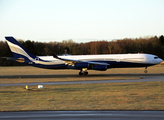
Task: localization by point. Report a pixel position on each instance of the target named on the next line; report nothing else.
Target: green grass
(111, 96)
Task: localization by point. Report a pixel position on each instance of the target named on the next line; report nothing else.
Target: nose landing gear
(146, 70)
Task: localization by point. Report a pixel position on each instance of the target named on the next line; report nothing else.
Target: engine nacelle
(81, 65)
(100, 67)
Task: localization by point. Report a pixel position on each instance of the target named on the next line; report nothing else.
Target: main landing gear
(146, 70)
(83, 71)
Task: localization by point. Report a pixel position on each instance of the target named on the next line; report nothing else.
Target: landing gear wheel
(85, 73)
(145, 71)
(80, 73)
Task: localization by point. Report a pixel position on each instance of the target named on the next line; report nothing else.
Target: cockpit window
(155, 57)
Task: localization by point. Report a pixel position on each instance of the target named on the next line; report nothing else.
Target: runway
(74, 75)
(145, 78)
(81, 115)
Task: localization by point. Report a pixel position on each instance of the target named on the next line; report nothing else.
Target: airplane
(80, 62)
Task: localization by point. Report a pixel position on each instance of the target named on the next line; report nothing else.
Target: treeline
(151, 45)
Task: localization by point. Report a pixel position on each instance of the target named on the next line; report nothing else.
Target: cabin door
(118, 58)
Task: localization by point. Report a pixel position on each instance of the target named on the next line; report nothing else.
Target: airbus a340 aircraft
(80, 62)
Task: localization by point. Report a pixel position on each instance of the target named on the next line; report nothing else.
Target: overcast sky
(81, 20)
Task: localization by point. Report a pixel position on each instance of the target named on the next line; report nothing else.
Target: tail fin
(18, 50)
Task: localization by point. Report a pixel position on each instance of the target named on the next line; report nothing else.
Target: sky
(80, 20)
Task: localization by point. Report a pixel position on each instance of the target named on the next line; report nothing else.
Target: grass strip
(108, 96)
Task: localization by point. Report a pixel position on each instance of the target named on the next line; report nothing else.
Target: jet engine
(100, 67)
(81, 65)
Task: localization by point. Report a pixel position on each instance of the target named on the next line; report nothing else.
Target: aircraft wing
(72, 61)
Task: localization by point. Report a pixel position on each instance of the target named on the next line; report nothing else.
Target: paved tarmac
(83, 115)
(145, 78)
(74, 75)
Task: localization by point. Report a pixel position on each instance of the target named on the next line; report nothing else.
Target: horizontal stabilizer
(21, 60)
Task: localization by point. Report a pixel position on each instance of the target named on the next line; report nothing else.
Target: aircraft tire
(145, 71)
(80, 73)
(85, 73)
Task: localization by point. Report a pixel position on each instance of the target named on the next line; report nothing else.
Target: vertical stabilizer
(18, 50)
